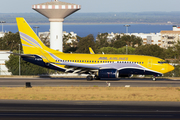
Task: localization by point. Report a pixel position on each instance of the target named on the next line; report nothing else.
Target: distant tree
(85, 43)
(10, 41)
(151, 50)
(171, 53)
(176, 50)
(127, 39)
(136, 41)
(69, 47)
(26, 68)
(101, 40)
(118, 42)
(108, 50)
(130, 50)
(45, 39)
(111, 50)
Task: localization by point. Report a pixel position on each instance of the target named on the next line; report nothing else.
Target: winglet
(91, 50)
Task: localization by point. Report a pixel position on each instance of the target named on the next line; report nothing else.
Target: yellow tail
(30, 41)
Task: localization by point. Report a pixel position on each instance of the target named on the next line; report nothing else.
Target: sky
(96, 6)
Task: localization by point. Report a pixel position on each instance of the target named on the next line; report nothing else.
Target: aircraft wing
(82, 68)
(78, 65)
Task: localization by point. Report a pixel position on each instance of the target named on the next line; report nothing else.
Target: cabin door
(149, 63)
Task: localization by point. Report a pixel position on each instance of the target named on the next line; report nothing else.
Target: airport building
(4, 57)
(164, 39)
(2, 34)
(170, 38)
(149, 38)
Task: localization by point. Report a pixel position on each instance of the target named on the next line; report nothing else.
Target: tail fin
(30, 41)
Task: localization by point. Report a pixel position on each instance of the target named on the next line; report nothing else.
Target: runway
(55, 82)
(80, 110)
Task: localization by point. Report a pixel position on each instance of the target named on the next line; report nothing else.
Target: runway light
(127, 86)
(108, 84)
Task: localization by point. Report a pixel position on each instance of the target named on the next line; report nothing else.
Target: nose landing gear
(154, 78)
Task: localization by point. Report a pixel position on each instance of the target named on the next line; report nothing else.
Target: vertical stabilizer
(30, 41)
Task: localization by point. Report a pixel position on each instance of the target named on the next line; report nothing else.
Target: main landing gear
(90, 78)
(96, 77)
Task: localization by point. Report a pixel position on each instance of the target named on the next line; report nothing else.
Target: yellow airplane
(95, 65)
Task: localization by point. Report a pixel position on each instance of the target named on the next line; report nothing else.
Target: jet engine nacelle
(108, 73)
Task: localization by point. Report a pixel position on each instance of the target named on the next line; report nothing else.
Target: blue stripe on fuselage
(39, 61)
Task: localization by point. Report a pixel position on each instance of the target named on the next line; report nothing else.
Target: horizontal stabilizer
(22, 55)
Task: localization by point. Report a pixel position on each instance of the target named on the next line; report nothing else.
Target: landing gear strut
(97, 78)
(154, 78)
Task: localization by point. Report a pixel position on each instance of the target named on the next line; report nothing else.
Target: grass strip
(92, 93)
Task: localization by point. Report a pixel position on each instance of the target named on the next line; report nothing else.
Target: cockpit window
(162, 62)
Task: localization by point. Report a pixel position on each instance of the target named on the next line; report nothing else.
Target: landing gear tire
(154, 78)
(89, 78)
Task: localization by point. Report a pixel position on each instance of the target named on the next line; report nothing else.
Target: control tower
(56, 11)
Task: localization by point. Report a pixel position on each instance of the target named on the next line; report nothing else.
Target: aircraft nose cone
(170, 68)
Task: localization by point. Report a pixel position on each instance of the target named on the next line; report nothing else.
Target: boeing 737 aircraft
(97, 65)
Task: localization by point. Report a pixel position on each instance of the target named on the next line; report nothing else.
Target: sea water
(94, 29)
